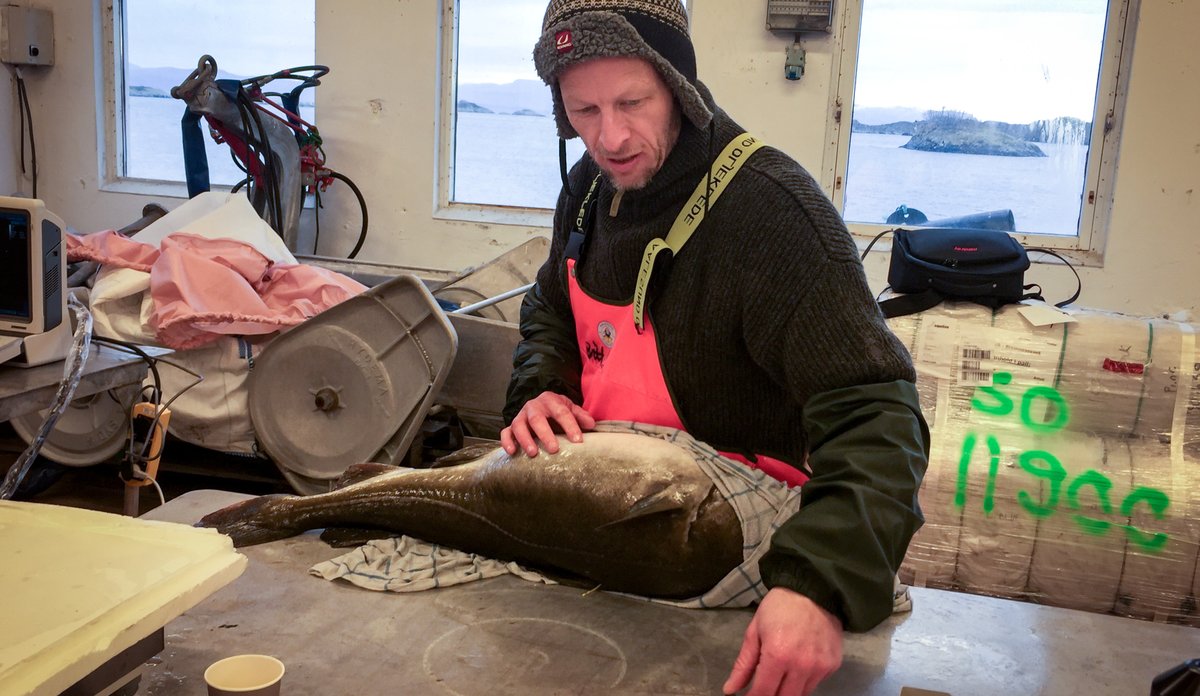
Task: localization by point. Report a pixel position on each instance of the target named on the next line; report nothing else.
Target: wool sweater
(770, 342)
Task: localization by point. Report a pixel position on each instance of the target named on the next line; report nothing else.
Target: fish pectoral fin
(464, 455)
(345, 537)
(658, 502)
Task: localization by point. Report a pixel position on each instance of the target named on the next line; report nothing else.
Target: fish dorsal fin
(357, 473)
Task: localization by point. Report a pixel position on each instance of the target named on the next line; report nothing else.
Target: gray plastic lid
(352, 384)
(91, 430)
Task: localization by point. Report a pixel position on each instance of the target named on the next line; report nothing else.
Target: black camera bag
(931, 264)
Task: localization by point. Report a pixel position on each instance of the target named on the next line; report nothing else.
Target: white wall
(9, 141)
(378, 112)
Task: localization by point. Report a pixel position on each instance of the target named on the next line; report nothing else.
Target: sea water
(509, 160)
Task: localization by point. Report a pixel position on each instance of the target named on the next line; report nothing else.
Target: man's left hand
(790, 646)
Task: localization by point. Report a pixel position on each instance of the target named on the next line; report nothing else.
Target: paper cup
(244, 675)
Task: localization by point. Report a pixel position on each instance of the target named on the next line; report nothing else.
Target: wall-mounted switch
(26, 36)
(793, 66)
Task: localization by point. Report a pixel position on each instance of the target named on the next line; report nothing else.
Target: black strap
(584, 222)
(910, 304)
(877, 238)
(1078, 281)
(1033, 294)
(562, 166)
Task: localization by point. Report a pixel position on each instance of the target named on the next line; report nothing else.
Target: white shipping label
(1030, 357)
(936, 347)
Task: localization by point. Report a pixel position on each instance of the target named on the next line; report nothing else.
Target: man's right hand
(538, 421)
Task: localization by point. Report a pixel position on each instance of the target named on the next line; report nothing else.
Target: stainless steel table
(507, 636)
(25, 390)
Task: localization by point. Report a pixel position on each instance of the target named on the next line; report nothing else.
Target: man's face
(625, 114)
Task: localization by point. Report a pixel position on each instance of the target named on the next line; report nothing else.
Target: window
(503, 141)
(997, 113)
(161, 42)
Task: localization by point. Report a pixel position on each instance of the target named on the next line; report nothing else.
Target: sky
(245, 37)
(1005, 60)
(1008, 60)
(495, 39)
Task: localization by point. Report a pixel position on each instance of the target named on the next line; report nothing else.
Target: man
(759, 337)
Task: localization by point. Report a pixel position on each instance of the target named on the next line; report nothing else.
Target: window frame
(1088, 246)
(110, 124)
(443, 207)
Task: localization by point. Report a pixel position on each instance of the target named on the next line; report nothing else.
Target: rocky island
(472, 107)
(945, 131)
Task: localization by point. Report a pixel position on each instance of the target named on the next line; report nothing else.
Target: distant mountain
(521, 96)
(138, 80)
(141, 91)
(165, 78)
(526, 112)
(878, 115)
(472, 107)
(897, 128)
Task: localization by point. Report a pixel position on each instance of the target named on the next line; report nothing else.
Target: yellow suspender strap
(720, 173)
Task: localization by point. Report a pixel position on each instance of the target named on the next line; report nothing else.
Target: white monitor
(34, 326)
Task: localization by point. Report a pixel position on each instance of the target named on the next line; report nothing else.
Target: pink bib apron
(622, 376)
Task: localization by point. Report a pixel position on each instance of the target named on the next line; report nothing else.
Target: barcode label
(971, 369)
(975, 377)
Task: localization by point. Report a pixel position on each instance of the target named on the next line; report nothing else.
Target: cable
(26, 117)
(72, 372)
(316, 218)
(362, 204)
(150, 361)
(137, 459)
(162, 500)
(263, 144)
(269, 173)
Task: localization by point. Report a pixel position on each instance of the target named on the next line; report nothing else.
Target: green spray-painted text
(1043, 410)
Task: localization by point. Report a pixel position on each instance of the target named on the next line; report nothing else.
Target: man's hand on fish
(790, 646)
(538, 421)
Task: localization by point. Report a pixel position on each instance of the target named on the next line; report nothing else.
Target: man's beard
(672, 138)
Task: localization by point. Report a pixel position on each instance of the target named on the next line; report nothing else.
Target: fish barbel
(626, 512)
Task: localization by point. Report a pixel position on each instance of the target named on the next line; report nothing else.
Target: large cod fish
(626, 512)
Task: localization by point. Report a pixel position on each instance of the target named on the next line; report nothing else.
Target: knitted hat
(656, 30)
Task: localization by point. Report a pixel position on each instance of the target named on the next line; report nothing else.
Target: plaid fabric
(761, 503)
(405, 564)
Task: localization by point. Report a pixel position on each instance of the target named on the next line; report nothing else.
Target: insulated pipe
(492, 300)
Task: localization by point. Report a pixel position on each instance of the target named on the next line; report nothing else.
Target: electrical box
(800, 15)
(26, 36)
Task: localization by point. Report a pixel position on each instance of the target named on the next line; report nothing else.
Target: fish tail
(254, 521)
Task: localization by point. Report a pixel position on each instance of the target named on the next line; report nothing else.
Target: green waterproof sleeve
(546, 359)
(868, 449)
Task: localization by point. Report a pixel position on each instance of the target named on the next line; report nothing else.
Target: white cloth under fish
(762, 504)
(405, 564)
